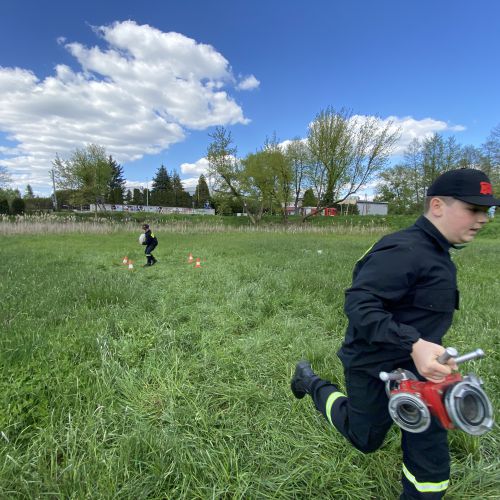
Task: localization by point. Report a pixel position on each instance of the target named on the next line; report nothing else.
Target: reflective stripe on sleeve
(425, 487)
(366, 253)
(329, 403)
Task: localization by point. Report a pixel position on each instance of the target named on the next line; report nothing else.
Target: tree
(491, 156)
(309, 199)
(116, 184)
(225, 170)
(396, 186)
(137, 197)
(281, 174)
(405, 185)
(17, 206)
(180, 197)
(87, 171)
(9, 194)
(300, 160)
(258, 181)
(28, 193)
(348, 151)
(201, 193)
(413, 162)
(4, 206)
(5, 178)
(128, 197)
(470, 157)
(438, 155)
(492, 146)
(161, 189)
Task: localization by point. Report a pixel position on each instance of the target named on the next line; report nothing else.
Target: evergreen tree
(28, 193)
(116, 185)
(178, 190)
(128, 197)
(137, 198)
(309, 199)
(202, 193)
(161, 190)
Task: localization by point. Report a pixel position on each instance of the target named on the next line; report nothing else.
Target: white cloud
(137, 96)
(248, 83)
(411, 129)
(190, 184)
(197, 168)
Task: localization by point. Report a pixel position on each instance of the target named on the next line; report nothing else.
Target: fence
(107, 207)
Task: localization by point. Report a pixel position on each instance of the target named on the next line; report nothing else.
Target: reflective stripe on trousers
(425, 487)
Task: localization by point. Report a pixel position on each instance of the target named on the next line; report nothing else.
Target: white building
(372, 207)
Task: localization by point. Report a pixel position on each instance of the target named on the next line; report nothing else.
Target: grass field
(173, 382)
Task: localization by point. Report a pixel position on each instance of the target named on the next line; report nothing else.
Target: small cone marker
(130, 264)
(198, 263)
(125, 260)
(190, 258)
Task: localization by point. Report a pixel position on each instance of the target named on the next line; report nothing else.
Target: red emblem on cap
(485, 188)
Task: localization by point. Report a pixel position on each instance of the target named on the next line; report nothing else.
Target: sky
(151, 80)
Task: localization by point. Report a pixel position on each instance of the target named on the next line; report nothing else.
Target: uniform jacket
(404, 288)
(150, 238)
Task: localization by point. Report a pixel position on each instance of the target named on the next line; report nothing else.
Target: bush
(4, 206)
(18, 206)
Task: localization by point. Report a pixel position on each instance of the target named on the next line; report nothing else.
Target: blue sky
(150, 80)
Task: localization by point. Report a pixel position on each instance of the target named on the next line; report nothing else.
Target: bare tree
(4, 177)
(413, 162)
(491, 157)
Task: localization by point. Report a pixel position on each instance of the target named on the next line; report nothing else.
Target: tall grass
(73, 223)
(173, 382)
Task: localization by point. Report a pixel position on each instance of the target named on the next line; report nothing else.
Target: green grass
(173, 382)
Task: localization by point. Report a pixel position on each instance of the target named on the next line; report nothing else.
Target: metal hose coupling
(457, 402)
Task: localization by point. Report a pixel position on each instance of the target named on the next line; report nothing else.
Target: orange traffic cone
(198, 263)
(130, 264)
(190, 258)
(125, 260)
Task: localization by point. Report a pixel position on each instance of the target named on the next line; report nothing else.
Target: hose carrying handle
(451, 352)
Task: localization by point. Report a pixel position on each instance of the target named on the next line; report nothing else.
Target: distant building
(372, 207)
(107, 207)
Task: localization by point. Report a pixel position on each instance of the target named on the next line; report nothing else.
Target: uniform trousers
(363, 418)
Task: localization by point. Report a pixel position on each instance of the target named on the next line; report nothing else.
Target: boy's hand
(425, 354)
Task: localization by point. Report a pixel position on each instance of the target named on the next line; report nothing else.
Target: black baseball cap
(465, 184)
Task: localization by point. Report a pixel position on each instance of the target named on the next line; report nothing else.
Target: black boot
(303, 379)
(148, 263)
(153, 261)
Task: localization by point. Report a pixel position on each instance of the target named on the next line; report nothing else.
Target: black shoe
(302, 379)
(154, 261)
(147, 264)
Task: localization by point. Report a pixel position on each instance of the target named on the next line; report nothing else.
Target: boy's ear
(436, 206)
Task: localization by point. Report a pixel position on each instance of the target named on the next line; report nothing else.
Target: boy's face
(461, 221)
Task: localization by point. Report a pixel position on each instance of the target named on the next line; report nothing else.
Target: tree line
(90, 176)
(404, 185)
(341, 154)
